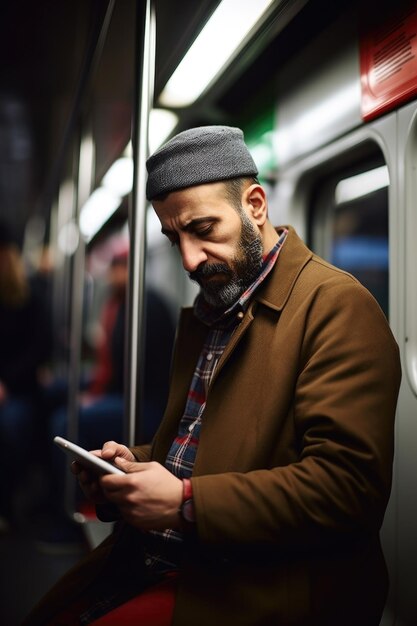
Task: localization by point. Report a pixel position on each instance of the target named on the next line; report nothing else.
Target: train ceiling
(48, 74)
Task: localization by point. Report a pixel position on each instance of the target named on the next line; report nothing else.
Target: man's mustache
(206, 270)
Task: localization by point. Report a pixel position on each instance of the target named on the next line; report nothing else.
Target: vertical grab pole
(85, 163)
(135, 337)
(76, 299)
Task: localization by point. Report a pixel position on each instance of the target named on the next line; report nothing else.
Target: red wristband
(187, 506)
(187, 489)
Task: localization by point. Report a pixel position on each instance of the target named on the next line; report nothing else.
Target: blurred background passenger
(101, 401)
(24, 349)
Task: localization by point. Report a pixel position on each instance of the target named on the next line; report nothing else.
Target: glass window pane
(351, 211)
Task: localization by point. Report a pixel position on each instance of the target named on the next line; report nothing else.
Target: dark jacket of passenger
(25, 343)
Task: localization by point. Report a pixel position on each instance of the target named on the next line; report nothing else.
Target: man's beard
(236, 277)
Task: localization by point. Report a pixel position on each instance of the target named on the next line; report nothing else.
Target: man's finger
(129, 466)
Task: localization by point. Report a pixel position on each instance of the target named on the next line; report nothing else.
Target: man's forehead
(187, 219)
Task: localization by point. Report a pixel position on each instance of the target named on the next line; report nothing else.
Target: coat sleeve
(344, 402)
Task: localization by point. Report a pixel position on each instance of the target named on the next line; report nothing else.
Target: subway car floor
(29, 566)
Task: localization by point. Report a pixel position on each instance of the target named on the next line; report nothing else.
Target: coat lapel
(192, 334)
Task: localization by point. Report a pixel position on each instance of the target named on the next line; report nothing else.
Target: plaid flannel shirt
(181, 456)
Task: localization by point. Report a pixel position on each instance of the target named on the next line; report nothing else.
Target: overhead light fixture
(118, 181)
(161, 124)
(361, 185)
(99, 207)
(213, 49)
(119, 178)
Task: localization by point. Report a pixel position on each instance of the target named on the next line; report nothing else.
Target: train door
(352, 201)
(352, 222)
(406, 462)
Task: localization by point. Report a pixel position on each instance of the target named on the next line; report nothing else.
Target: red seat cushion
(153, 607)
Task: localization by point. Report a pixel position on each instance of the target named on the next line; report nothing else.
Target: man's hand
(148, 497)
(89, 482)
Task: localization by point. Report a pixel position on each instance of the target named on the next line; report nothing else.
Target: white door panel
(396, 136)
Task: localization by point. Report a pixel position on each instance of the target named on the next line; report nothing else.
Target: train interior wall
(318, 134)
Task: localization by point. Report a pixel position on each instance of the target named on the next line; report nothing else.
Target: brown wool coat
(293, 470)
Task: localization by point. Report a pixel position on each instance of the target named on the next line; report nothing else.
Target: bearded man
(261, 497)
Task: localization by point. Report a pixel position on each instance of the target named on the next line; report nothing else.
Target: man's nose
(192, 254)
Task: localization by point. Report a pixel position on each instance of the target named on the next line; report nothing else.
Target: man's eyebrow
(190, 226)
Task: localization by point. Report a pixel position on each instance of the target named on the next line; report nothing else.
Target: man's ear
(254, 199)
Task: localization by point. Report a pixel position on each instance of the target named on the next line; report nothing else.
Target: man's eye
(202, 232)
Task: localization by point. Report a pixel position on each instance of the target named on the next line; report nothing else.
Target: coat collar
(292, 258)
(275, 290)
(273, 293)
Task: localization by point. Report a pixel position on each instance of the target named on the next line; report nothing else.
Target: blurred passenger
(102, 402)
(261, 498)
(24, 348)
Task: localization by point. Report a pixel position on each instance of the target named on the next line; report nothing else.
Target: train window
(349, 224)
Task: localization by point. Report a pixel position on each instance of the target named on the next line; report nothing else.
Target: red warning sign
(388, 59)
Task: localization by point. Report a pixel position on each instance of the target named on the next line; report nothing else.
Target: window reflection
(357, 223)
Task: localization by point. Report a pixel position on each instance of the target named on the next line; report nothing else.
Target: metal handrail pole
(85, 168)
(135, 338)
(77, 263)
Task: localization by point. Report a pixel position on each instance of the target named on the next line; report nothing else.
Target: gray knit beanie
(200, 155)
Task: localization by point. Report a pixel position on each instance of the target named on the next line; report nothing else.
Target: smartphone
(83, 457)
